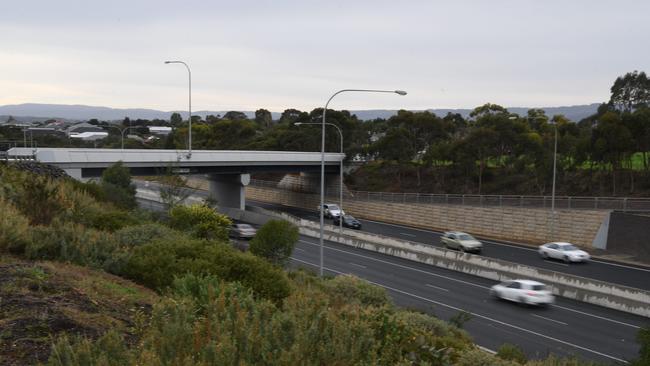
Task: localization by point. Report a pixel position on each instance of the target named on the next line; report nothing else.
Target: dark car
(348, 221)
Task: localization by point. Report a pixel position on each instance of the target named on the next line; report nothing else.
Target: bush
(643, 338)
(70, 242)
(134, 236)
(476, 357)
(351, 289)
(201, 221)
(14, 229)
(108, 350)
(117, 186)
(275, 241)
(157, 263)
(511, 352)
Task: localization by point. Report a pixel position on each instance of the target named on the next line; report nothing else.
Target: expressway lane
(567, 328)
(626, 275)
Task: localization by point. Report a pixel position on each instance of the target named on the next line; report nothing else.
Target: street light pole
(122, 130)
(553, 189)
(340, 168)
(322, 160)
(189, 73)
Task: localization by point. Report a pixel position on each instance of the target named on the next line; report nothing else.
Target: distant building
(83, 127)
(160, 130)
(89, 136)
(45, 131)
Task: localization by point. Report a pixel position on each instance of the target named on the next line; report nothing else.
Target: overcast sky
(278, 54)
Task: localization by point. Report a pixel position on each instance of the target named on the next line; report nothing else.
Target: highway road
(623, 274)
(565, 329)
(619, 273)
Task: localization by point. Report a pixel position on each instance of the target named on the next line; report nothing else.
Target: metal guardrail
(561, 202)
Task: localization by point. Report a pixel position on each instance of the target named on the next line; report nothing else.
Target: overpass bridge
(227, 170)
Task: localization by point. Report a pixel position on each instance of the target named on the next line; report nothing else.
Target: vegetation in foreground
(63, 245)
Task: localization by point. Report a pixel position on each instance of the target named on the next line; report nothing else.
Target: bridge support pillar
(229, 189)
(74, 173)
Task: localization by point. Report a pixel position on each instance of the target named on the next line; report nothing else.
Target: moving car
(348, 221)
(461, 241)
(242, 231)
(331, 210)
(523, 291)
(563, 251)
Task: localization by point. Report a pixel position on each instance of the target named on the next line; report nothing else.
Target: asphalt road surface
(566, 328)
(622, 274)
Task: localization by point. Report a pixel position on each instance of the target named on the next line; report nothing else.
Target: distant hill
(574, 113)
(35, 112)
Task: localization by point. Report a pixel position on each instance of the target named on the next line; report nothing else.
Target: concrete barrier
(622, 298)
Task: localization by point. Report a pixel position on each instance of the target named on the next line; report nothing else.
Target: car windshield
(244, 226)
(349, 218)
(333, 207)
(465, 237)
(568, 247)
(538, 287)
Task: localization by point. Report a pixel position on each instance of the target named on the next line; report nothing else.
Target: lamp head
(400, 92)
(167, 62)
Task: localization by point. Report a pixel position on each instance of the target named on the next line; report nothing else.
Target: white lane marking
(436, 287)
(358, 265)
(596, 316)
(549, 319)
(407, 234)
(299, 249)
(477, 315)
(620, 265)
(503, 244)
(465, 282)
(558, 263)
(399, 265)
(485, 349)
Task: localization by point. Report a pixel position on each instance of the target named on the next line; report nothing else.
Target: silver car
(461, 241)
(242, 231)
(331, 210)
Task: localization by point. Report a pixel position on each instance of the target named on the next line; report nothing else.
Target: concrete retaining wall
(525, 225)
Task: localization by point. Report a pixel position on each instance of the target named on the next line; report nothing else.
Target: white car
(563, 251)
(523, 291)
(331, 210)
(242, 231)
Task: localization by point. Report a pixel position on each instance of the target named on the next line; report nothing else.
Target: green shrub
(351, 289)
(201, 221)
(275, 241)
(70, 242)
(134, 236)
(14, 229)
(157, 263)
(643, 338)
(108, 350)
(476, 357)
(123, 198)
(511, 352)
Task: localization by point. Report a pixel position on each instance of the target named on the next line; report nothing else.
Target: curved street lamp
(322, 159)
(189, 72)
(340, 168)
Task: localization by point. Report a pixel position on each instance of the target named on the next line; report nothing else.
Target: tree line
(491, 140)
